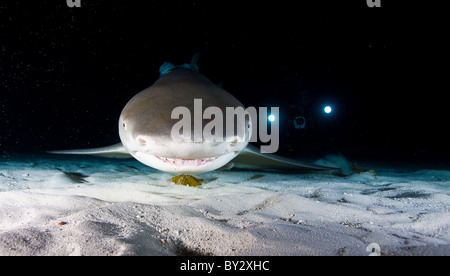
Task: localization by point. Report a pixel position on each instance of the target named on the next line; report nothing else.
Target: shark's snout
(184, 150)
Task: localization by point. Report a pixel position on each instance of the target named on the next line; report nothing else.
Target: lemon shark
(146, 129)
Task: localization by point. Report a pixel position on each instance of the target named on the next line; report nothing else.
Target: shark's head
(146, 125)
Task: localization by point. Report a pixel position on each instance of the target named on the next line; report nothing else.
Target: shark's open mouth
(187, 162)
(184, 165)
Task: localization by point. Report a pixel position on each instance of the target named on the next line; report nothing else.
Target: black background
(66, 73)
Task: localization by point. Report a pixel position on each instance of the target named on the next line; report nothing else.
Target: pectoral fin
(113, 151)
(251, 158)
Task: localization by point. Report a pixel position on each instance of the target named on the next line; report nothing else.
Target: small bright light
(327, 109)
(271, 118)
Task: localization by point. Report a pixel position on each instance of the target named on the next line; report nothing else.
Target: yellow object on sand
(186, 180)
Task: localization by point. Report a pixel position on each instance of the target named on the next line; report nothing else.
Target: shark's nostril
(142, 142)
(234, 142)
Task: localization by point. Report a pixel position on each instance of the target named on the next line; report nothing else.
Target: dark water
(66, 73)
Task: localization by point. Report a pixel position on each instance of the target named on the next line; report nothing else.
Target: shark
(146, 127)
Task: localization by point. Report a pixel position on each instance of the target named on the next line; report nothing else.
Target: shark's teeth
(186, 162)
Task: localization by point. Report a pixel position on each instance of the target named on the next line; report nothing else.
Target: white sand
(125, 208)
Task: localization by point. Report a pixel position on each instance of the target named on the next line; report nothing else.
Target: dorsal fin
(194, 61)
(167, 67)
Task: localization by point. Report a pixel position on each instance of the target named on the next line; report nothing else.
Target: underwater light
(327, 109)
(271, 117)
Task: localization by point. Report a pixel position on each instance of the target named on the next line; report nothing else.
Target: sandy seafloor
(65, 205)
